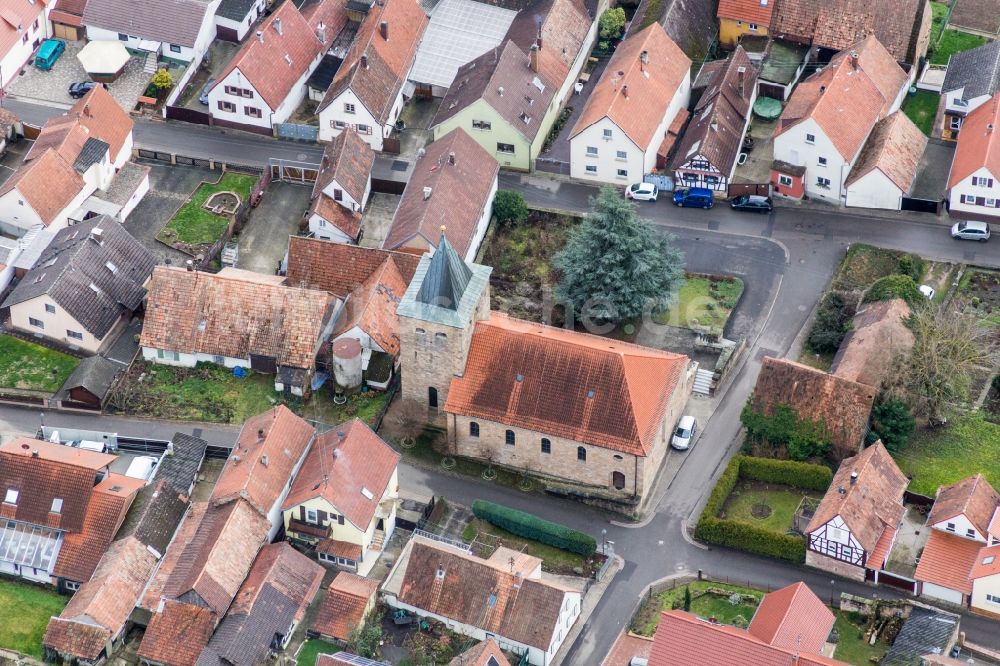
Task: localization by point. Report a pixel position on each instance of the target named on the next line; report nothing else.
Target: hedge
(786, 472)
(532, 527)
(751, 539)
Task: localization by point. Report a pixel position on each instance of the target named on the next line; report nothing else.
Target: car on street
(752, 203)
(642, 192)
(971, 230)
(694, 197)
(684, 433)
(204, 92)
(81, 88)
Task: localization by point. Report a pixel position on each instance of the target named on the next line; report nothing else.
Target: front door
(380, 525)
(432, 397)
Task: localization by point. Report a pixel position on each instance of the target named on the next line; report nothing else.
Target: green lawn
(939, 456)
(953, 41)
(781, 500)
(312, 648)
(194, 225)
(27, 366)
(939, 11)
(703, 301)
(921, 108)
(852, 647)
(555, 560)
(703, 604)
(819, 361)
(26, 610)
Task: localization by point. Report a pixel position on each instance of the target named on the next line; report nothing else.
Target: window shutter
(322, 517)
(980, 201)
(302, 513)
(340, 520)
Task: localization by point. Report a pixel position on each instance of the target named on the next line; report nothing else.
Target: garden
(921, 107)
(200, 222)
(772, 506)
(933, 457)
(27, 367)
(951, 42)
(26, 610)
(728, 604)
(313, 648)
(703, 302)
(979, 294)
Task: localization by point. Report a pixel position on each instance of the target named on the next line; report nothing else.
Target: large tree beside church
(615, 266)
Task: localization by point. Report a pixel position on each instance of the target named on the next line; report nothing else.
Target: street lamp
(832, 583)
(604, 541)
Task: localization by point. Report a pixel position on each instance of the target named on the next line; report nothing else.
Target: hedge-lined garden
(746, 536)
(532, 527)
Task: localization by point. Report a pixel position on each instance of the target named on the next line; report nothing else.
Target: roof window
(11, 496)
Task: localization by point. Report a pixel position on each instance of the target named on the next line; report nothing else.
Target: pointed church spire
(447, 277)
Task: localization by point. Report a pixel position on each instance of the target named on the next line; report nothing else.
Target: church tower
(437, 316)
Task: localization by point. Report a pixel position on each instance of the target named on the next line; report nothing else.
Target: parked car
(694, 197)
(81, 88)
(686, 428)
(48, 53)
(752, 202)
(204, 92)
(970, 230)
(642, 192)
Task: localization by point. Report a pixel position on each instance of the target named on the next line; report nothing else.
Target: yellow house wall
(730, 30)
(346, 532)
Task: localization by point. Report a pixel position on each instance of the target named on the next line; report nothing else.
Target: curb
(585, 614)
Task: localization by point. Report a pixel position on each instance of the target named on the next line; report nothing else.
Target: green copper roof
(444, 289)
(446, 279)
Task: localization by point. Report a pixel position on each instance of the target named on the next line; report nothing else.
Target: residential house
(855, 524)
(89, 383)
(902, 26)
(348, 601)
(484, 653)
(24, 26)
(504, 102)
(87, 285)
(975, 171)
(268, 608)
(237, 318)
(343, 185)
(66, 17)
(11, 128)
(971, 80)
(266, 81)
(743, 17)
(175, 30)
(97, 619)
(368, 92)
(781, 66)
(551, 401)
(43, 192)
(975, 16)
(644, 89)
(878, 336)
(627, 647)
(503, 597)
(790, 626)
(234, 18)
(61, 508)
(832, 113)
(452, 186)
(343, 503)
(708, 151)
(887, 167)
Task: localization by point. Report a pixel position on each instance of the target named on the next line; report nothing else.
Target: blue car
(204, 92)
(694, 197)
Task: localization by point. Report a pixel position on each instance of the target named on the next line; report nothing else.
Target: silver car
(971, 230)
(684, 434)
(642, 192)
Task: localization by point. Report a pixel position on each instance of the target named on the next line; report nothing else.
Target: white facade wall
(55, 325)
(943, 593)
(219, 95)
(16, 215)
(980, 588)
(966, 188)
(962, 527)
(361, 336)
(334, 113)
(581, 59)
(22, 49)
(324, 231)
(346, 199)
(242, 27)
(874, 190)
(482, 224)
(134, 200)
(184, 360)
(125, 153)
(791, 146)
(206, 34)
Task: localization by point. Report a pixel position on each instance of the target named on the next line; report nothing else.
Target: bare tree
(410, 418)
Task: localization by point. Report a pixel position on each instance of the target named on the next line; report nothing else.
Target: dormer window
(971, 533)
(959, 102)
(950, 527)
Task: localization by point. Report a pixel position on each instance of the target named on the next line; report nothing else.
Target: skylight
(537, 82)
(111, 267)
(988, 559)
(367, 493)
(11, 497)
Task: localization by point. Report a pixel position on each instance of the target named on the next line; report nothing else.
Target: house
(743, 17)
(343, 185)
(88, 385)
(971, 80)
(645, 87)
(790, 626)
(476, 597)
(975, 16)
(902, 26)
(121, 196)
(781, 64)
(268, 608)
(452, 185)
(343, 658)
(367, 94)
(236, 318)
(97, 618)
(708, 151)
(66, 17)
(566, 405)
(886, 169)
(879, 334)
(173, 30)
(343, 503)
(234, 18)
(484, 653)
(349, 599)
(24, 27)
(975, 171)
(11, 127)
(61, 509)
(504, 102)
(855, 524)
(86, 286)
(831, 114)
(266, 80)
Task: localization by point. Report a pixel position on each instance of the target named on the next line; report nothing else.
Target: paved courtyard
(378, 216)
(169, 188)
(757, 168)
(263, 241)
(215, 61)
(51, 88)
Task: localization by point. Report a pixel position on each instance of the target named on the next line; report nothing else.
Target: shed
(90, 383)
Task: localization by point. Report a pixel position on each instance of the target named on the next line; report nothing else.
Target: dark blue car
(694, 197)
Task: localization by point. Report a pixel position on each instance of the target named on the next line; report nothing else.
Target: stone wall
(841, 568)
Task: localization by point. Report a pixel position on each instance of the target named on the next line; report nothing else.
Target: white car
(971, 230)
(927, 291)
(686, 428)
(642, 192)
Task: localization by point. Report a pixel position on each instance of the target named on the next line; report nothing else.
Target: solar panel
(348, 658)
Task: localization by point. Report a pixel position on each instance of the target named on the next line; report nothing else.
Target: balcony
(307, 529)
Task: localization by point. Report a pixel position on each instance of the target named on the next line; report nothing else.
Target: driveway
(264, 240)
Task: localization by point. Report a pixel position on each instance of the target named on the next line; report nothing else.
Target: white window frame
(37, 323)
(349, 108)
(621, 155)
(622, 174)
(811, 138)
(11, 496)
(51, 309)
(823, 182)
(74, 335)
(592, 151)
(822, 161)
(312, 516)
(591, 168)
(784, 181)
(607, 134)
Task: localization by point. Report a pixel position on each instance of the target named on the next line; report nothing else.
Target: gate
(290, 171)
(187, 115)
(920, 205)
(760, 189)
(296, 132)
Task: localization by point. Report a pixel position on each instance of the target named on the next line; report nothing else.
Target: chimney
(500, 91)
(260, 36)
(533, 58)
(277, 25)
(427, 192)
(741, 73)
(383, 29)
(989, 128)
(34, 453)
(86, 110)
(260, 434)
(538, 36)
(822, 89)
(189, 265)
(364, 60)
(263, 461)
(625, 91)
(451, 159)
(321, 32)
(643, 60)
(854, 478)
(97, 234)
(854, 59)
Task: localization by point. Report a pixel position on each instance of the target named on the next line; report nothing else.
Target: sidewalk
(590, 600)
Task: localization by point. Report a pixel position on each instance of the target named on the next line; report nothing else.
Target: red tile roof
(348, 160)
(485, 653)
(349, 222)
(340, 268)
(372, 308)
(287, 571)
(48, 184)
(185, 533)
(878, 555)
(650, 88)
(748, 11)
(564, 26)
(176, 634)
(869, 349)
(987, 563)
(343, 608)
(978, 145)
(78, 640)
(948, 560)
(972, 497)
(104, 119)
(583, 387)
(894, 148)
(334, 548)
(344, 462)
(626, 647)
(269, 447)
(17, 17)
(792, 618)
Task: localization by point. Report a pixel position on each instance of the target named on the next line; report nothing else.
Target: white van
(142, 467)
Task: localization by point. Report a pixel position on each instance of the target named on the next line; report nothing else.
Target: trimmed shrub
(509, 208)
(750, 538)
(895, 286)
(724, 486)
(912, 265)
(530, 526)
(786, 472)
